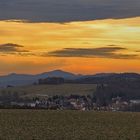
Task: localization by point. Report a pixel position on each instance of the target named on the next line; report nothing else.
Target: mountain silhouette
(14, 79)
(26, 79)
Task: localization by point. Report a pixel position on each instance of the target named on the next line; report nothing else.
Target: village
(72, 102)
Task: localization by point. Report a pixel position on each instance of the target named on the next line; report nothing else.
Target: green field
(50, 90)
(68, 125)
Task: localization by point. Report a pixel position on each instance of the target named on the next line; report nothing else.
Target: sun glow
(39, 38)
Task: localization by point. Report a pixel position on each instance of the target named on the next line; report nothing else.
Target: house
(33, 105)
(21, 104)
(135, 101)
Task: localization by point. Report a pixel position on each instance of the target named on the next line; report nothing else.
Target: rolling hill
(14, 79)
(26, 79)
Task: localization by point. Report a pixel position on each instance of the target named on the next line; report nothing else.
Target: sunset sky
(80, 36)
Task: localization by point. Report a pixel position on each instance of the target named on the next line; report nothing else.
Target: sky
(79, 36)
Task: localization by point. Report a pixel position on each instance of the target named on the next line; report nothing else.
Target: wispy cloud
(103, 52)
(67, 10)
(111, 51)
(11, 48)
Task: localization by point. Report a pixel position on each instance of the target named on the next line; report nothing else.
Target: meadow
(50, 90)
(68, 125)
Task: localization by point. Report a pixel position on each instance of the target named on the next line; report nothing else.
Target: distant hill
(26, 79)
(109, 78)
(16, 79)
(58, 73)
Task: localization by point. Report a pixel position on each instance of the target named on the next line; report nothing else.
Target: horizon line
(16, 73)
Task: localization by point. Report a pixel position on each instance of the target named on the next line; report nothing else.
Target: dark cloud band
(67, 10)
(104, 52)
(11, 48)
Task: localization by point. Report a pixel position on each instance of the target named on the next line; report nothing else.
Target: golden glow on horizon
(38, 38)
